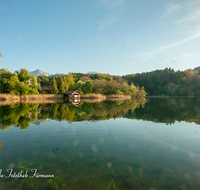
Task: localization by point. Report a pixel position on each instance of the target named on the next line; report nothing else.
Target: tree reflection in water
(157, 110)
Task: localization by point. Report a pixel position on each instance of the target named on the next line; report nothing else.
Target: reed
(9, 99)
(93, 96)
(118, 97)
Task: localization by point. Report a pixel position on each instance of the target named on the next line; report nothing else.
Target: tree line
(22, 83)
(168, 82)
(96, 83)
(160, 82)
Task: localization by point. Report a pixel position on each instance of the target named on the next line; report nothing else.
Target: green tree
(60, 84)
(19, 82)
(79, 86)
(88, 86)
(54, 86)
(23, 75)
(69, 81)
(5, 76)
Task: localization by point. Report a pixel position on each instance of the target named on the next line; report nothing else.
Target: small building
(72, 94)
(46, 88)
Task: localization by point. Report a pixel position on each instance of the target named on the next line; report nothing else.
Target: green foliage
(54, 86)
(111, 186)
(79, 86)
(5, 76)
(44, 81)
(167, 82)
(69, 82)
(19, 82)
(23, 75)
(87, 87)
(60, 84)
(27, 183)
(57, 182)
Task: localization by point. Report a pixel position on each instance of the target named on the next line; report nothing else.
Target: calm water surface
(149, 145)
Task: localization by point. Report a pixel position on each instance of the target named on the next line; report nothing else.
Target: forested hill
(159, 82)
(168, 82)
(196, 69)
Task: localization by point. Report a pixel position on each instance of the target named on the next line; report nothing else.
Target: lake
(149, 144)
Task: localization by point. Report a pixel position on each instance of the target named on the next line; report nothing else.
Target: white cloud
(154, 52)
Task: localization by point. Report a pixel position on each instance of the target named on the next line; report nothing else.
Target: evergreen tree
(54, 86)
(60, 84)
(66, 84)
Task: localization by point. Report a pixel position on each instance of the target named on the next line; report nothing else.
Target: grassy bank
(8, 99)
(93, 96)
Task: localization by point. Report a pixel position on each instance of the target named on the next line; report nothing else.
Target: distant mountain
(196, 69)
(57, 74)
(39, 72)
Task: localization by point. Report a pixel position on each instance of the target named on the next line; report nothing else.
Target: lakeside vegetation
(165, 82)
(22, 83)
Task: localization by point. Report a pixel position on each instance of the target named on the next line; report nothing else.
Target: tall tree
(23, 75)
(60, 84)
(54, 86)
(5, 76)
(88, 86)
(69, 81)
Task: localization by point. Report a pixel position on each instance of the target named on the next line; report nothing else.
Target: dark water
(148, 144)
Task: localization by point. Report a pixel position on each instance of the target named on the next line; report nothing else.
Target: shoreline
(8, 99)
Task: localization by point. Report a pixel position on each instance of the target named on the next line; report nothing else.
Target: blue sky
(109, 36)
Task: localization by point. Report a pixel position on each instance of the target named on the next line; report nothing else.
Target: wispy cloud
(193, 16)
(153, 53)
(109, 20)
(113, 8)
(171, 8)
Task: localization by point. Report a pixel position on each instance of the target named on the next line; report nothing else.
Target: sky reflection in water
(117, 153)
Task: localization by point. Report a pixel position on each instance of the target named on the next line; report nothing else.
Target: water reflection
(156, 110)
(118, 152)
